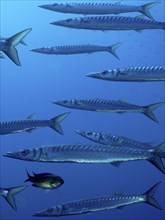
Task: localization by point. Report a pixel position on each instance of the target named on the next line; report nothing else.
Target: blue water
(43, 78)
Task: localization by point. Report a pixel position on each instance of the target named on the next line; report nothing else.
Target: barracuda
(99, 8)
(101, 105)
(110, 23)
(132, 74)
(77, 49)
(113, 140)
(17, 126)
(83, 206)
(99, 154)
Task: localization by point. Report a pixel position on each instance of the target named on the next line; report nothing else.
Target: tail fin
(112, 49)
(11, 192)
(28, 179)
(56, 120)
(157, 155)
(23, 42)
(13, 41)
(145, 9)
(148, 110)
(149, 196)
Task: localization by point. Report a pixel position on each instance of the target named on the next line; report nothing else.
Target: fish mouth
(45, 6)
(10, 155)
(58, 23)
(93, 75)
(56, 102)
(41, 50)
(38, 214)
(80, 132)
(38, 50)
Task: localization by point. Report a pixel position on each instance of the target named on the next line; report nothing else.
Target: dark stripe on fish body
(118, 18)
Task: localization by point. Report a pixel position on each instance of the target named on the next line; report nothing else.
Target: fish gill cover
(78, 41)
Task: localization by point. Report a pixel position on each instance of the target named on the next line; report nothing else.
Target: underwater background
(43, 78)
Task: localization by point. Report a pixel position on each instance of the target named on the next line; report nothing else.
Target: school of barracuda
(109, 148)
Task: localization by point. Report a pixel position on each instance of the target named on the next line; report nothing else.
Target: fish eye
(49, 211)
(104, 72)
(24, 152)
(69, 20)
(89, 133)
(65, 101)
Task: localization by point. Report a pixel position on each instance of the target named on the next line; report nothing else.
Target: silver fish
(11, 127)
(110, 23)
(117, 200)
(132, 74)
(9, 193)
(7, 45)
(77, 49)
(99, 8)
(79, 153)
(101, 105)
(113, 140)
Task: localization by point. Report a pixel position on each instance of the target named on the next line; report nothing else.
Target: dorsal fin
(31, 116)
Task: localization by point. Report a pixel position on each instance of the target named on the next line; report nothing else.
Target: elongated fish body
(79, 153)
(110, 23)
(77, 49)
(133, 74)
(11, 127)
(113, 140)
(101, 105)
(100, 203)
(9, 193)
(98, 8)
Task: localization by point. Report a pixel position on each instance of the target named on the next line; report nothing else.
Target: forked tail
(148, 110)
(55, 122)
(13, 41)
(112, 49)
(145, 9)
(156, 160)
(149, 196)
(10, 193)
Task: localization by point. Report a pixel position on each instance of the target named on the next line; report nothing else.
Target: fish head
(70, 103)
(54, 211)
(89, 134)
(54, 7)
(56, 182)
(70, 22)
(25, 154)
(99, 75)
(45, 50)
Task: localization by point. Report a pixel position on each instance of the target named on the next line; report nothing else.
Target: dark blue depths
(43, 78)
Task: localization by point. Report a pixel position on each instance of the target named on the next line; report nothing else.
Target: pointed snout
(55, 102)
(55, 22)
(48, 6)
(37, 214)
(80, 132)
(93, 75)
(38, 50)
(10, 155)
(58, 23)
